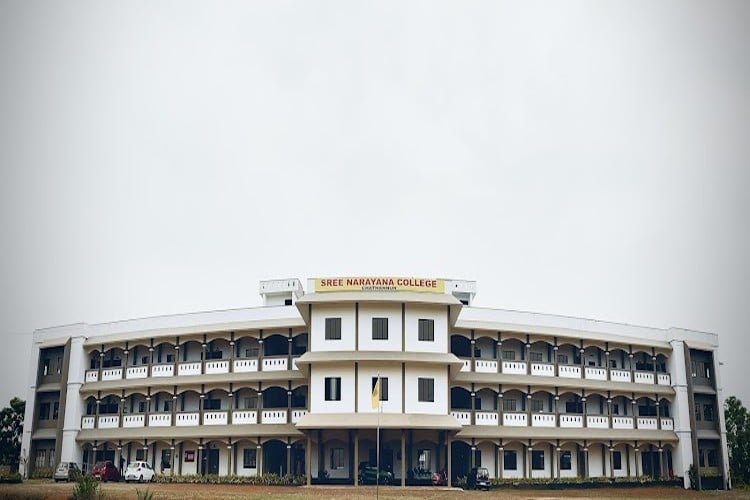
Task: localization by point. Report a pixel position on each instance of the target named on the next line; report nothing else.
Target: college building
(286, 388)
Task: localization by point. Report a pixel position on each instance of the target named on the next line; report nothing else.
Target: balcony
(297, 415)
(245, 365)
(220, 366)
(647, 423)
(515, 419)
(162, 370)
(186, 419)
(619, 375)
(463, 417)
(160, 420)
(485, 366)
(542, 420)
(543, 369)
(129, 421)
(189, 368)
(622, 422)
(92, 376)
(663, 379)
(514, 367)
(597, 421)
(87, 422)
(644, 377)
(571, 421)
(215, 418)
(569, 371)
(667, 424)
(275, 364)
(111, 374)
(273, 416)
(135, 372)
(244, 417)
(596, 373)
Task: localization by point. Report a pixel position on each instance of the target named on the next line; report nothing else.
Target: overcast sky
(582, 158)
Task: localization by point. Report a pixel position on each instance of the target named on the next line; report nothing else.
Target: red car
(106, 471)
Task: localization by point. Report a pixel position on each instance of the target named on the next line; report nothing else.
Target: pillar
(230, 449)
(288, 456)
(308, 459)
(259, 457)
(449, 448)
(403, 458)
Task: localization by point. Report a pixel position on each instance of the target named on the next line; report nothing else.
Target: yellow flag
(376, 394)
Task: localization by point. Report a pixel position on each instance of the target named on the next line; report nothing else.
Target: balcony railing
(463, 417)
(214, 418)
(162, 370)
(160, 420)
(622, 422)
(542, 420)
(189, 368)
(486, 418)
(245, 365)
(647, 423)
(133, 421)
(244, 417)
(297, 415)
(515, 419)
(187, 419)
(274, 364)
(273, 417)
(571, 421)
(87, 422)
(597, 421)
(112, 374)
(667, 424)
(543, 369)
(137, 372)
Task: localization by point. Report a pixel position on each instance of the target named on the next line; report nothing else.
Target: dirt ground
(115, 491)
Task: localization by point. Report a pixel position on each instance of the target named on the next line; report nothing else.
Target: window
(615, 409)
(698, 412)
(250, 402)
(333, 328)
(562, 359)
(287, 302)
(249, 458)
(477, 458)
(44, 411)
(337, 458)
(423, 459)
(211, 404)
(166, 458)
(509, 404)
(565, 461)
(537, 405)
(613, 363)
(170, 358)
(509, 460)
(708, 413)
(333, 388)
(167, 405)
(712, 458)
(140, 454)
(477, 352)
(573, 406)
(617, 460)
(509, 355)
(427, 330)
(55, 410)
(379, 328)
(536, 357)
(383, 387)
(537, 459)
(426, 390)
(45, 370)
(141, 407)
(477, 403)
(59, 365)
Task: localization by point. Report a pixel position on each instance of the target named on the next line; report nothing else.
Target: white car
(139, 471)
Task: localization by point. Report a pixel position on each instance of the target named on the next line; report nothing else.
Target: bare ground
(40, 489)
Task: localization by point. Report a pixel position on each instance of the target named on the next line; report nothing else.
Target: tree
(738, 439)
(11, 430)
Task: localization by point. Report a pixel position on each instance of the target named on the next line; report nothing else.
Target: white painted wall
(71, 452)
(318, 327)
(682, 457)
(440, 375)
(366, 373)
(390, 311)
(518, 471)
(415, 312)
(318, 374)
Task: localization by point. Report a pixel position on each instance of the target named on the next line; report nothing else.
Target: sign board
(379, 284)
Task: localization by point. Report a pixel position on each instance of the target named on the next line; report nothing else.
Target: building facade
(286, 388)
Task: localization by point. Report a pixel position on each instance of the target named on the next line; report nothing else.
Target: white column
(720, 411)
(71, 452)
(682, 456)
(29, 413)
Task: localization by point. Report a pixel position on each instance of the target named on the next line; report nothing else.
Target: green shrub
(42, 473)
(86, 488)
(144, 495)
(13, 477)
(460, 482)
(270, 479)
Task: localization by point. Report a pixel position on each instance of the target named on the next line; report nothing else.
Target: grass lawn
(46, 489)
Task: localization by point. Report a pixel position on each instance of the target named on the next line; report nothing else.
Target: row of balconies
(565, 371)
(188, 368)
(573, 421)
(192, 418)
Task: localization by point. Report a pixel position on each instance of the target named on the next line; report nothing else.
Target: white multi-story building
(286, 388)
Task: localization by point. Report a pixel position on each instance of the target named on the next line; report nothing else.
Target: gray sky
(581, 158)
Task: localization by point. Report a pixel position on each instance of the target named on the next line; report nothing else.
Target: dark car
(67, 471)
(440, 478)
(106, 471)
(479, 479)
(369, 473)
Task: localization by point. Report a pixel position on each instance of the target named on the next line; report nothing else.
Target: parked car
(139, 471)
(67, 471)
(106, 471)
(368, 475)
(440, 478)
(479, 479)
